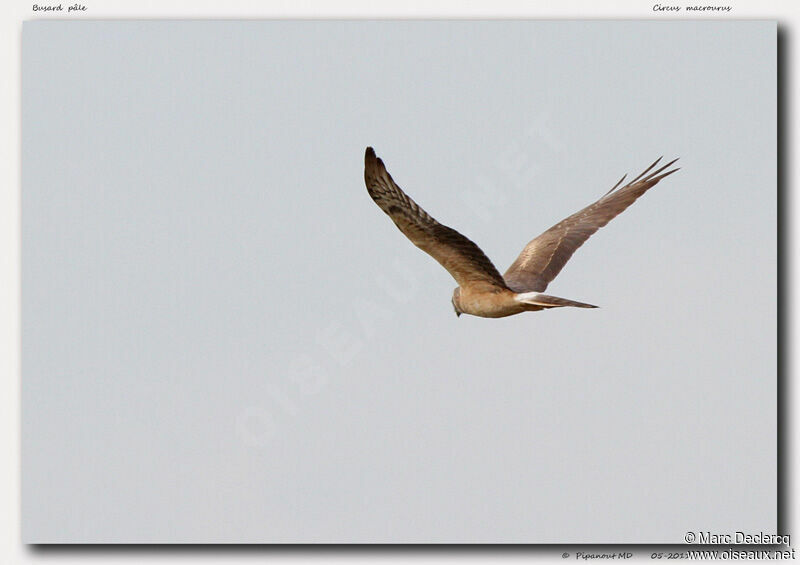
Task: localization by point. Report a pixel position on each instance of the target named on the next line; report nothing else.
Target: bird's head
(457, 301)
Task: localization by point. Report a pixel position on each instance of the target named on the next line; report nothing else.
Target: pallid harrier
(482, 291)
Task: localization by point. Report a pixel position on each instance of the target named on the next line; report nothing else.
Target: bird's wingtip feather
(372, 161)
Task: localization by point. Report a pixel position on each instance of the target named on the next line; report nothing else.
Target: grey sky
(224, 339)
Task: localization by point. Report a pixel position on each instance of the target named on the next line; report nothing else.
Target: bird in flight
(482, 290)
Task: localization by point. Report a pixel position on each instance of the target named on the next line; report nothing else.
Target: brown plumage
(482, 291)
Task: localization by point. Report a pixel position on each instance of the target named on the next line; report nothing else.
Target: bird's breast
(489, 304)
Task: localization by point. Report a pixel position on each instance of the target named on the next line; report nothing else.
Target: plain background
(224, 340)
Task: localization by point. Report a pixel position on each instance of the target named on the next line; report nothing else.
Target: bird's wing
(544, 257)
(461, 257)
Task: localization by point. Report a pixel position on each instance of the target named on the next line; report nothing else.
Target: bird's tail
(547, 301)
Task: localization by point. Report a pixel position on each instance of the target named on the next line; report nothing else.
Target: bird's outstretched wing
(461, 257)
(544, 257)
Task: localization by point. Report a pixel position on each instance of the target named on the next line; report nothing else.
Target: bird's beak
(458, 314)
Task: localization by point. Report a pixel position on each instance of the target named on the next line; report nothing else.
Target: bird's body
(488, 303)
(482, 291)
(502, 302)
